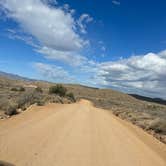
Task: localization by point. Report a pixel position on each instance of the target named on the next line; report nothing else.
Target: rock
(1, 117)
(19, 110)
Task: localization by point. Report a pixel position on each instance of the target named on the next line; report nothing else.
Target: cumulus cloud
(52, 26)
(145, 74)
(53, 73)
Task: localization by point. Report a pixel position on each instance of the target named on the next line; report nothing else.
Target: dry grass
(19, 95)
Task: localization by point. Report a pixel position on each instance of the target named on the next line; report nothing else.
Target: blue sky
(111, 44)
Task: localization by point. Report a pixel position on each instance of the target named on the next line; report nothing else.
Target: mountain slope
(14, 76)
(149, 99)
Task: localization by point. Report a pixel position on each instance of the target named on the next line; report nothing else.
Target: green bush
(38, 89)
(14, 89)
(58, 89)
(71, 96)
(21, 89)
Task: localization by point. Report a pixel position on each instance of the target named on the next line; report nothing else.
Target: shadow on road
(3, 163)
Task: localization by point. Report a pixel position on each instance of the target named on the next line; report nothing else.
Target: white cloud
(53, 73)
(115, 2)
(68, 57)
(18, 35)
(51, 26)
(145, 74)
(54, 27)
(84, 18)
(67, 9)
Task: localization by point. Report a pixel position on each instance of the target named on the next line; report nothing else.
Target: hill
(149, 99)
(14, 76)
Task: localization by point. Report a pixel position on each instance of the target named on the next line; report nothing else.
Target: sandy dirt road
(76, 135)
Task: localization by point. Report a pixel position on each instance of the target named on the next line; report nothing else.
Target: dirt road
(76, 135)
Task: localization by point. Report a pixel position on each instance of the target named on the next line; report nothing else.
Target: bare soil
(76, 134)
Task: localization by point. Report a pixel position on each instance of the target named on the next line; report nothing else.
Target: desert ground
(149, 116)
(76, 134)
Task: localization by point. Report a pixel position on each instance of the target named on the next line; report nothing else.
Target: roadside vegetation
(61, 91)
(58, 89)
(21, 89)
(16, 98)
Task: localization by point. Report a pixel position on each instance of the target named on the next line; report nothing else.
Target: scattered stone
(1, 117)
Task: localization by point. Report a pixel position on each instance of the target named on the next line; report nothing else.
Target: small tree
(58, 89)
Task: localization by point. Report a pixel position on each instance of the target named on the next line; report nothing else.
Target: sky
(102, 43)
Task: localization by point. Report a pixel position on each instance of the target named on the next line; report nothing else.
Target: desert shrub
(14, 89)
(3, 103)
(21, 89)
(40, 103)
(71, 96)
(159, 126)
(38, 89)
(52, 99)
(28, 98)
(58, 89)
(23, 99)
(11, 110)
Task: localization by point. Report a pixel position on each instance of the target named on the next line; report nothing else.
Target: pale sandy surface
(76, 135)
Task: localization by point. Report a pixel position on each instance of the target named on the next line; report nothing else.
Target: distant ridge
(139, 97)
(149, 99)
(14, 76)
